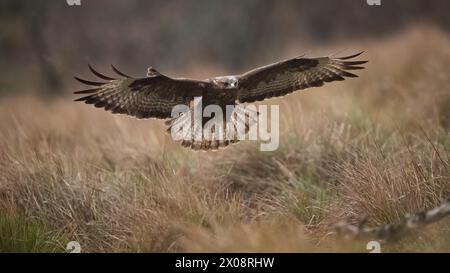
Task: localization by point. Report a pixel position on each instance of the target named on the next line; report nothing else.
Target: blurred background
(44, 43)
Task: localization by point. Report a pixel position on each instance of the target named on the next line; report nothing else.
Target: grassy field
(375, 147)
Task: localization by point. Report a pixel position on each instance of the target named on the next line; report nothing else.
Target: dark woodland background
(44, 43)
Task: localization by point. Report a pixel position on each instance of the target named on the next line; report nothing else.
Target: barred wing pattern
(151, 97)
(285, 77)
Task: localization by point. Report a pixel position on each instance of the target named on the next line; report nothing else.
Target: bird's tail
(207, 135)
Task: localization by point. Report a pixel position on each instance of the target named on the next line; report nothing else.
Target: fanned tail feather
(195, 136)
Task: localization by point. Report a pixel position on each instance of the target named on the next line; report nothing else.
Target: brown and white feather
(285, 77)
(150, 97)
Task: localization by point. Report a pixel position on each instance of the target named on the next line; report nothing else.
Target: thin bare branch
(393, 232)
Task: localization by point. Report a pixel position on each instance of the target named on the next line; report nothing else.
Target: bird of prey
(155, 95)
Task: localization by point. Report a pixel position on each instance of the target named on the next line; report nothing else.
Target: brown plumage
(155, 95)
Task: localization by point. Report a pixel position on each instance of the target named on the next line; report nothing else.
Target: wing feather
(295, 74)
(150, 97)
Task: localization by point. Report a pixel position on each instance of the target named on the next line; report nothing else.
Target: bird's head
(227, 82)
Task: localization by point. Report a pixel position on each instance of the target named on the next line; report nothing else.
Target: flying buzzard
(155, 95)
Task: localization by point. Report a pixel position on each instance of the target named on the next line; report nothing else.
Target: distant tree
(34, 18)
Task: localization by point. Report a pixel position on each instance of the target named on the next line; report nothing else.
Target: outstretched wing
(288, 76)
(150, 97)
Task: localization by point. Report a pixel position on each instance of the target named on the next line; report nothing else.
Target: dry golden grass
(378, 146)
